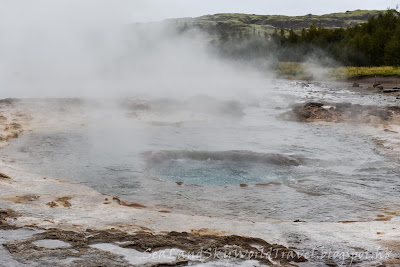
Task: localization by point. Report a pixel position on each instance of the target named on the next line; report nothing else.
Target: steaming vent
(196, 104)
(220, 167)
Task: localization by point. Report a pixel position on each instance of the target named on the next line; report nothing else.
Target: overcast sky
(160, 9)
(155, 10)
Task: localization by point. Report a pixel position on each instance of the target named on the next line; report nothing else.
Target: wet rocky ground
(115, 248)
(344, 112)
(48, 227)
(388, 84)
(13, 121)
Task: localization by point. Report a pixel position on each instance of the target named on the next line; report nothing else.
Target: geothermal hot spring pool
(140, 150)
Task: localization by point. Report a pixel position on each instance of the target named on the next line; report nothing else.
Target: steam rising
(92, 49)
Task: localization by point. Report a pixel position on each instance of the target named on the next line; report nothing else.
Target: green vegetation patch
(305, 71)
(297, 23)
(354, 72)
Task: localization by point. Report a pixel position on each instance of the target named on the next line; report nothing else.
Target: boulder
(376, 85)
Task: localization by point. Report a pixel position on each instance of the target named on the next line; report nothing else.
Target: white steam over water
(140, 153)
(92, 49)
(157, 118)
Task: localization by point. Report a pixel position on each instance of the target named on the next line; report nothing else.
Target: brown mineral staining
(52, 204)
(118, 200)
(4, 215)
(12, 126)
(209, 246)
(342, 112)
(389, 212)
(179, 183)
(347, 221)
(106, 202)
(128, 204)
(380, 233)
(22, 199)
(12, 130)
(12, 135)
(61, 201)
(382, 217)
(134, 205)
(388, 218)
(64, 201)
(243, 185)
(298, 221)
(164, 211)
(4, 176)
(208, 231)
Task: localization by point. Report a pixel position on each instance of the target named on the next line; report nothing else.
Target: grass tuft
(305, 71)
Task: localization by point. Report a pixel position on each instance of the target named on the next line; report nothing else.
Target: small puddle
(140, 258)
(51, 243)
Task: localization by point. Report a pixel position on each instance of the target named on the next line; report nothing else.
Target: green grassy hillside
(268, 23)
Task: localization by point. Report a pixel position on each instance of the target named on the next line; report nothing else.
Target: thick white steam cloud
(70, 48)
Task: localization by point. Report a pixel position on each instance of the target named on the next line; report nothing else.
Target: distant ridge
(270, 23)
